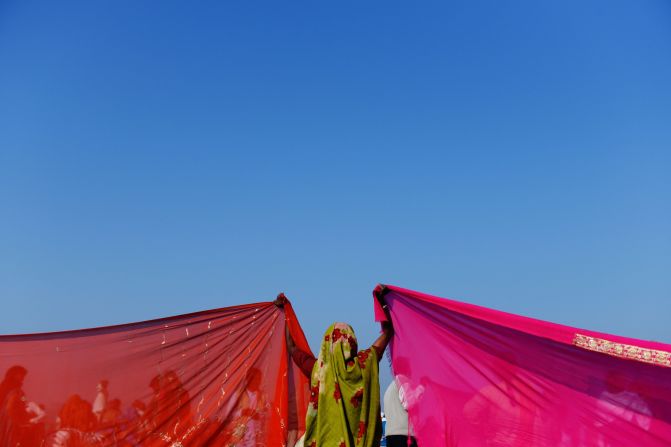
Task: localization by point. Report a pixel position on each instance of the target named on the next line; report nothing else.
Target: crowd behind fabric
(166, 419)
(103, 421)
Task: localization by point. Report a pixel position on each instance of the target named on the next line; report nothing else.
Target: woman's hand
(280, 300)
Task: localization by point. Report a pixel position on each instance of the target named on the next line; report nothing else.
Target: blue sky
(158, 158)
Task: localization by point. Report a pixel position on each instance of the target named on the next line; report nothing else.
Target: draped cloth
(474, 376)
(344, 409)
(221, 377)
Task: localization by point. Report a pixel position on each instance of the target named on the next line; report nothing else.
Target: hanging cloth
(476, 377)
(220, 377)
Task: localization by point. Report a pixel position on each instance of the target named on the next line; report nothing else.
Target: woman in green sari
(344, 408)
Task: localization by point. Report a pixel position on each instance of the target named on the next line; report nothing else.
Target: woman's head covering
(14, 376)
(12, 382)
(344, 409)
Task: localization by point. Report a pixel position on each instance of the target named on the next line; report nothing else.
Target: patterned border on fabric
(653, 356)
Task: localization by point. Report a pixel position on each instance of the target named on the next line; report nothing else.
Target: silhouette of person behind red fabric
(77, 423)
(14, 417)
(169, 411)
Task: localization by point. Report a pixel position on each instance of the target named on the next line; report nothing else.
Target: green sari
(344, 408)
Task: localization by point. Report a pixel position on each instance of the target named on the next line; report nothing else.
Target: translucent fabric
(479, 377)
(219, 377)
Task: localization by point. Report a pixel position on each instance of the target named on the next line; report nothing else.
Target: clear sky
(158, 158)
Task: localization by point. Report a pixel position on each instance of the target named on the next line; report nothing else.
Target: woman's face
(341, 334)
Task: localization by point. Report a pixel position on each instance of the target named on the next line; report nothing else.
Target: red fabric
(218, 377)
(473, 377)
(305, 361)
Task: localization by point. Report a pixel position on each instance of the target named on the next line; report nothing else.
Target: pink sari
(479, 377)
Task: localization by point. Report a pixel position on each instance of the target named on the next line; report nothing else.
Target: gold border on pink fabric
(622, 350)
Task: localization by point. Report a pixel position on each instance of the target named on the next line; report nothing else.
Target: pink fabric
(479, 377)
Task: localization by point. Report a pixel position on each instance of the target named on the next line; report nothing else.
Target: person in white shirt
(100, 402)
(397, 430)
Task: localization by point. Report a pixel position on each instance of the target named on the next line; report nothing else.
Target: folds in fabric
(219, 377)
(479, 377)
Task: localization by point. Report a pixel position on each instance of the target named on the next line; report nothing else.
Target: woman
(344, 408)
(14, 417)
(77, 423)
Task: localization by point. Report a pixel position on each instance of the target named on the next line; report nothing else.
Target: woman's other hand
(280, 300)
